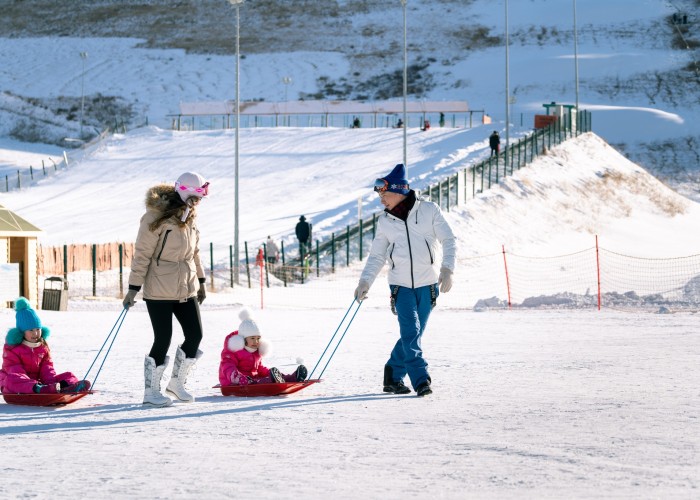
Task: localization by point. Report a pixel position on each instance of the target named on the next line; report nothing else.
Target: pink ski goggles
(198, 191)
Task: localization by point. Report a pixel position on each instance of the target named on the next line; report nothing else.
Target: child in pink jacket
(241, 358)
(26, 360)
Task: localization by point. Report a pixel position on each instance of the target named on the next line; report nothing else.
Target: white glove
(129, 298)
(445, 280)
(361, 291)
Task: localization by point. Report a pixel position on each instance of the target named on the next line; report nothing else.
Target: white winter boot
(181, 369)
(153, 375)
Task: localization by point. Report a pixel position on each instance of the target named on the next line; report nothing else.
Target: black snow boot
(276, 376)
(301, 373)
(391, 385)
(424, 389)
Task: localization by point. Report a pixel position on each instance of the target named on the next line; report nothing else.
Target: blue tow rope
(339, 340)
(113, 334)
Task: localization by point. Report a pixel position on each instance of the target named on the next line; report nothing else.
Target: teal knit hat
(26, 317)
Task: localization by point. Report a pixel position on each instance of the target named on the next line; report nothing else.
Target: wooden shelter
(18, 258)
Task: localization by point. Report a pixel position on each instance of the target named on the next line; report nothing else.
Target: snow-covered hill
(579, 189)
(636, 71)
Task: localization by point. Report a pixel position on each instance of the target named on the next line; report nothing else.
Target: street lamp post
(236, 250)
(576, 57)
(405, 86)
(505, 152)
(83, 56)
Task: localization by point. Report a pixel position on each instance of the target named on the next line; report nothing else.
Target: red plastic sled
(60, 399)
(253, 390)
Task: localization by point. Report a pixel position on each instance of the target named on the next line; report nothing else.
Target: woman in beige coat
(167, 266)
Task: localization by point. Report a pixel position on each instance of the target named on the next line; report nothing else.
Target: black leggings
(161, 314)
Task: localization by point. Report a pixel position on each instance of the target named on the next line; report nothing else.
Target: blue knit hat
(26, 317)
(397, 180)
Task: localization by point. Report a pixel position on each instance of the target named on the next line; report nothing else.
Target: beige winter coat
(166, 260)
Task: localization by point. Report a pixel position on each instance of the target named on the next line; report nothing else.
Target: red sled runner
(44, 399)
(253, 390)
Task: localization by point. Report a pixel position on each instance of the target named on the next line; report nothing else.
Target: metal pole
(505, 156)
(405, 87)
(83, 56)
(576, 56)
(236, 256)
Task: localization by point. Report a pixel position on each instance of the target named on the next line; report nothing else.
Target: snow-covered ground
(526, 404)
(535, 404)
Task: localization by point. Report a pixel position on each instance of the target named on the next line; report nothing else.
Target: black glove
(129, 298)
(201, 293)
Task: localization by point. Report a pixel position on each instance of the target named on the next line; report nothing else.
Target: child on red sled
(241, 358)
(26, 360)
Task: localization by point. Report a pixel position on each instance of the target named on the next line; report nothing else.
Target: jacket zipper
(162, 247)
(410, 253)
(429, 252)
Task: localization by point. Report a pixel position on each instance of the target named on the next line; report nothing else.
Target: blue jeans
(413, 306)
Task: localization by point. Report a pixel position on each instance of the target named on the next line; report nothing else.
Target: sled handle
(331, 340)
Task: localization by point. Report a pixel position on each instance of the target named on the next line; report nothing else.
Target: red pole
(597, 263)
(505, 264)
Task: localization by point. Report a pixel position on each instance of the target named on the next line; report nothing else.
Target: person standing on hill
(495, 143)
(303, 231)
(166, 264)
(273, 251)
(408, 234)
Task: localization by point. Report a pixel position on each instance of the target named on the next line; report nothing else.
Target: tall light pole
(83, 56)
(505, 155)
(405, 86)
(576, 56)
(236, 250)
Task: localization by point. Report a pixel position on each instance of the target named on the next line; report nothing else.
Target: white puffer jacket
(410, 247)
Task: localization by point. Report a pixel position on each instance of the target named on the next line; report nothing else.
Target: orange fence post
(505, 264)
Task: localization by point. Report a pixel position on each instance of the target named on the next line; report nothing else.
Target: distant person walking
(303, 231)
(495, 143)
(442, 120)
(273, 251)
(166, 264)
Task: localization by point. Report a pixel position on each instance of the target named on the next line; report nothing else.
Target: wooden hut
(18, 259)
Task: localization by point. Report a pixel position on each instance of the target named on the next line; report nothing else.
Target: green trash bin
(55, 296)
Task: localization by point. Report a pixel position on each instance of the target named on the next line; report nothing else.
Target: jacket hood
(15, 336)
(163, 197)
(166, 203)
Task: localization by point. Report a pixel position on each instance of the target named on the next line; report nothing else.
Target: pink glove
(237, 378)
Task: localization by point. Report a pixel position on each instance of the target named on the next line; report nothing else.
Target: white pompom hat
(248, 328)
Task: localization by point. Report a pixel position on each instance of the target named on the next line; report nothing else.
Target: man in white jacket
(407, 237)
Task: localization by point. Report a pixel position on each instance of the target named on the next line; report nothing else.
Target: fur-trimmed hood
(15, 336)
(164, 200)
(235, 342)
